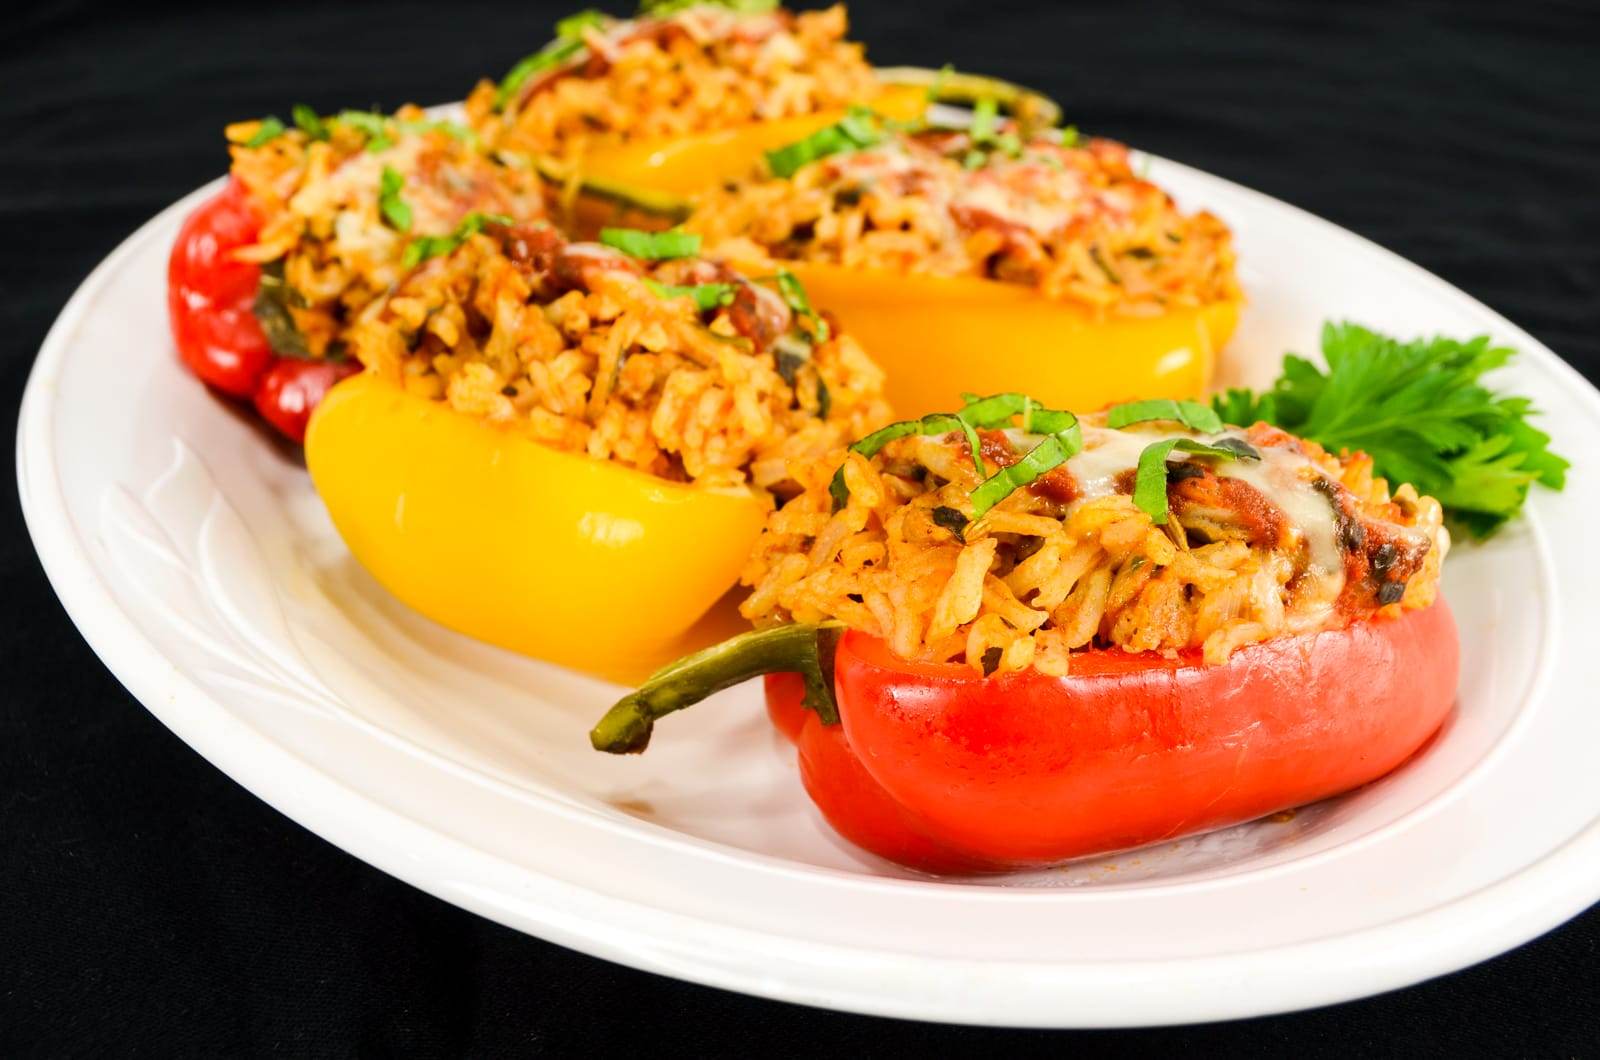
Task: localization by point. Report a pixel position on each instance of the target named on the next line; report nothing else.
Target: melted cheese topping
(1282, 476)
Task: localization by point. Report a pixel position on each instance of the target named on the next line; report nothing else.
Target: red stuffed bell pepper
(316, 223)
(1013, 638)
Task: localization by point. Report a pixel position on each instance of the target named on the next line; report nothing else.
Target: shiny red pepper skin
(210, 300)
(210, 295)
(943, 770)
(293, 387)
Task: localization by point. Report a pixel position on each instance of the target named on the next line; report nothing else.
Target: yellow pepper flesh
(935, 336)
(552, 554)
(684, 165)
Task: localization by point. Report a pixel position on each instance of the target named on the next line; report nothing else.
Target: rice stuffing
(690, 69)
(348, 207)
(1294, 541)
(680, 368)
(1072, 220)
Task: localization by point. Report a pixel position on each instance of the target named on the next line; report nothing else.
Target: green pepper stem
(803, 649)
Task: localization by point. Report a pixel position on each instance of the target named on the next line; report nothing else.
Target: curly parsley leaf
(1420, 411)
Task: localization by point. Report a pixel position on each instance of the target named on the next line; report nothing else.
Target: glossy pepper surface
(927, 330)
(548, 553)
(211, 297)
(937, 767)
(684, 165)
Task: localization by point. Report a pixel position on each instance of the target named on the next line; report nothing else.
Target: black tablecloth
(147, 904)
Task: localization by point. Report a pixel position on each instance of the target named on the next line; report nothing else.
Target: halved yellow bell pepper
(683, 165)
(552, 554)
(647, 183)
(935, 334)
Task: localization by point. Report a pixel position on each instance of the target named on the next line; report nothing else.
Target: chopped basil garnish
(274, 299)
(707, 296)
(987, 139)
(794, 293)
(573, 25)
(997, 410)
(984, 113)
(1150, 481)
(450, 128)
(1195, 415)
(270, 129)
(1043, 458)
(789, 353)
(309, 122)
(974, 443)
(424, 247)
(952, 520)
(567, 45)
(664, 8)
(857, 129)
(651, 246)
(371, 124)
(395, 210)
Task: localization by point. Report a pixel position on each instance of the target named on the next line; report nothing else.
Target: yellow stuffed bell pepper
(566, 449)
(689, 164)
(685, 165)
(976, 258)
(548, 553)
(929, 331)
(683, 97)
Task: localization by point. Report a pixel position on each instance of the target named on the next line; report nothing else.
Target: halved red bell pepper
(211, 297)
(939, 768)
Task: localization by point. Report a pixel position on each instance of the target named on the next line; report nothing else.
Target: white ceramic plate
(198, 563)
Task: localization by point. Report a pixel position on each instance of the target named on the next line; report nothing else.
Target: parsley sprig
(1419, 409)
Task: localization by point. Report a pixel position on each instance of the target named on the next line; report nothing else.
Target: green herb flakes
(270, 129)
(857, 129)
(1150, 481)
(1195, 415)
(396, 211)
(651, 246)
(707, 296)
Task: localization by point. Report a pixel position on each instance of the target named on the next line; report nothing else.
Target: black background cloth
(149, 905)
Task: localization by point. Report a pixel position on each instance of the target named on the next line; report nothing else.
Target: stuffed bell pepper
(1008, 636)
(982, 256)
(317, 220)
(684, 96)
(568, 449)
